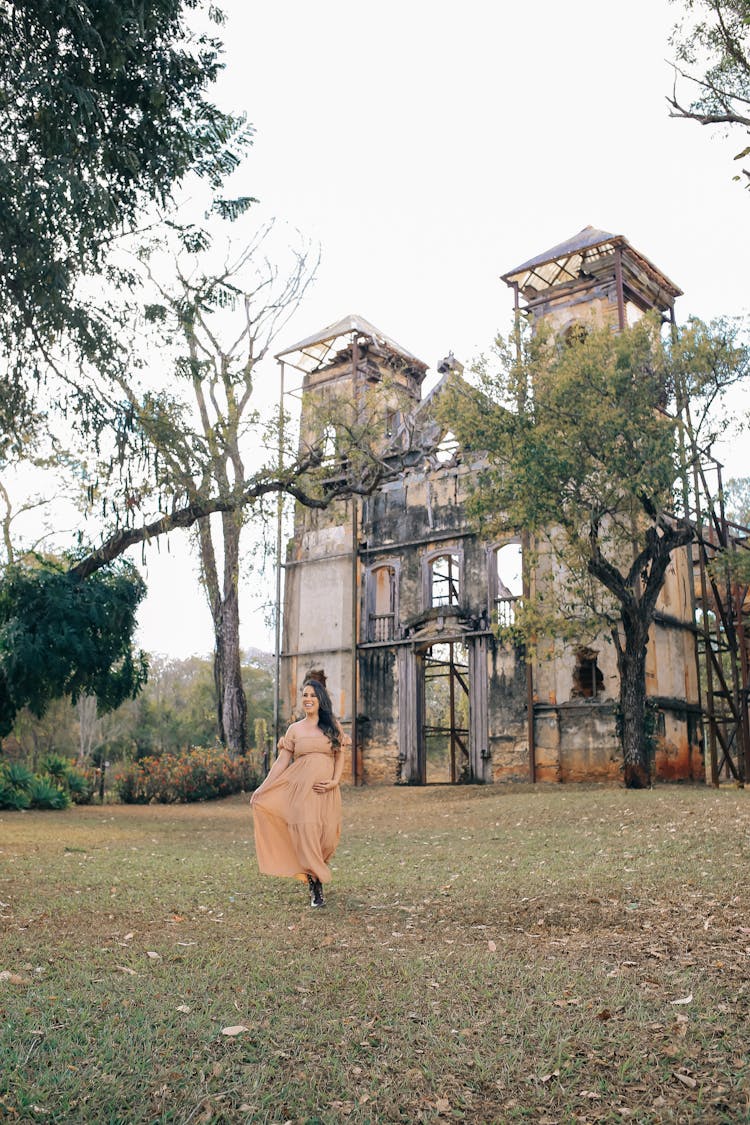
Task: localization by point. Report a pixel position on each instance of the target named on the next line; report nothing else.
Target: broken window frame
(586, 667)
(392, 422)
(453, 578)
(329, 444)
(502, 607)
(448, 449)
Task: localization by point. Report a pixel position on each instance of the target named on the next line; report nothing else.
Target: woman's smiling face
(310, 704)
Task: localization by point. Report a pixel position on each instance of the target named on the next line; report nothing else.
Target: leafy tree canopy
(712, 46)
(103, 111)
(737, 499)
(61, 636)
(578, 439)
(573, 439)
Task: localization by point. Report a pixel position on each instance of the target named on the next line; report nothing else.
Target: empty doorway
(444, 756)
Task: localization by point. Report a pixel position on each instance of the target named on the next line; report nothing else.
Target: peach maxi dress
(297, 829)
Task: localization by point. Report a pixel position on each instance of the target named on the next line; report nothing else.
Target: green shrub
(199, 775)
(60, 784)
(12, 798)
(56, 767)
(80, 785)
(44, 794)
(18, 775)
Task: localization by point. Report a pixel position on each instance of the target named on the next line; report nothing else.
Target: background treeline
(175, 711)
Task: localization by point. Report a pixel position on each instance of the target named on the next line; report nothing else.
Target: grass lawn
(499, 954)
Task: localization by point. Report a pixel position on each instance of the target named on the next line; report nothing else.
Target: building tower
(341, 366)
(594, 277)
(598, 278)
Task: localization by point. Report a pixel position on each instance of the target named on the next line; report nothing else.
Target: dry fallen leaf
(183, 1008)
(125, 969)
(154, 956)
(13, 978)
(684, 1000)
(236, 1030)
(491, 946)
(685, 1079)
(442, 1105)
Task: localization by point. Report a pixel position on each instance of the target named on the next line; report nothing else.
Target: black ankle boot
(316, 892)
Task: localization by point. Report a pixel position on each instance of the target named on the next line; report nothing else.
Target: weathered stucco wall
(317, 624)
(379, 716)
(577, 742)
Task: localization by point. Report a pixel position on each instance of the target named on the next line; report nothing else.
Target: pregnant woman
(297, 809)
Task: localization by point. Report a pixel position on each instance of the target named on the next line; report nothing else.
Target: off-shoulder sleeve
(286, 742)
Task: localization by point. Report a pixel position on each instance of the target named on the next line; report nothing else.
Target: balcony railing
(506, 611)
(382, 627)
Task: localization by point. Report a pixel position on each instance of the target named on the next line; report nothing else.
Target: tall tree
(103, 112)
(204, 431)
(582, 456)
(210, 460)
(712, 47)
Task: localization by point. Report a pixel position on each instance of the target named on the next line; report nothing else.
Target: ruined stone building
(390, 599)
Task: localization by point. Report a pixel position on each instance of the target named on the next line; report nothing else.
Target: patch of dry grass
(488, 955)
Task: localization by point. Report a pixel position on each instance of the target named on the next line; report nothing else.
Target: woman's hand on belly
(325, 786)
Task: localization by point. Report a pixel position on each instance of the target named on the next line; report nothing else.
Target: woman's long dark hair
(326, 720)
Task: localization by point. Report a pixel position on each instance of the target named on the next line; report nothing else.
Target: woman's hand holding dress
(284, 759)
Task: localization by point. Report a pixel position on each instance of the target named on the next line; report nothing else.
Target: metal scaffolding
(722, 620)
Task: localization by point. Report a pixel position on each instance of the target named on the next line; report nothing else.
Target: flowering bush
(199, 775)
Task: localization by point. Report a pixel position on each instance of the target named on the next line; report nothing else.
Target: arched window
(445, 580)
(382, 596)
(507, 582)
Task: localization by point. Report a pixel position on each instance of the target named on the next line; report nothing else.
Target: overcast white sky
(430, 147)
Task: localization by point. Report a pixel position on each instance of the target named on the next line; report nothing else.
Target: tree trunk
(231, 705)
(89, 728)
(233, 702)
(228, 663)
(637, 594)
(224, 604)
(210, 581)
(631, 663)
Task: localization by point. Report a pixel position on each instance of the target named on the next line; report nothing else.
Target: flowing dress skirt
(297, 829)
